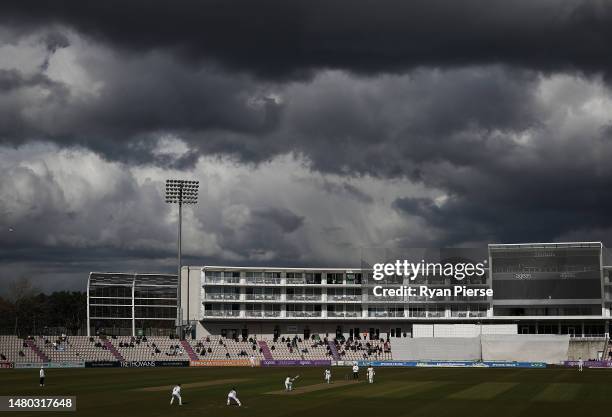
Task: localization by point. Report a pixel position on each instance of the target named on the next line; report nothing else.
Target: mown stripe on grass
(523, 391)
(403, 389)
(312, 388)
(193, 384)
(483, 391)
(559, 392)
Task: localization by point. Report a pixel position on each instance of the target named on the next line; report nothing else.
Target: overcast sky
(315, 128)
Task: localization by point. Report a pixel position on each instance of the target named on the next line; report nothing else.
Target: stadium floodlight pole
(181, 192)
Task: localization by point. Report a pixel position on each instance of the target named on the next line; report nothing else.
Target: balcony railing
(263, 297)
(303, 297)
(210, 296)
(215, 280)
(343, 314)
(253, 313)
(385, 314)
(272, 281)
(272, 313)
(222, 313)
(344, 297)
(303, 314)
(372, 297)
(303, 281)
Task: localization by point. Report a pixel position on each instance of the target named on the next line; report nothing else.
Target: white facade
(312, 294)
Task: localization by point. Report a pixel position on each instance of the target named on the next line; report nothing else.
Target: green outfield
(396, 392)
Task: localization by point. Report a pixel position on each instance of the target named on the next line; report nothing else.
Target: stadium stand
(363, 350)
(108, 345)
(498, 347)
(73, 348)
(158, 348)
(284, 348)
(265, 350)
(189, 350)
(287, 348)
(83, 348)
(333, 350)
(220, 348)
(32, 344)
(14, 349)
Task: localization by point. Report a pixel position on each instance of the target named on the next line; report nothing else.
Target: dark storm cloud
(347, 190)
(390, 127)
(522, 199)
(280, 38)
(55, 40)
(13, 80)
(283, 218)
(141, 100)
(475, 121)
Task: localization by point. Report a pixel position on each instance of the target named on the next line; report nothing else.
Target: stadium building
(131, 304)
(540, 288)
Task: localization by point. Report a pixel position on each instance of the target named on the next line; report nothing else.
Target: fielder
(176, 393)
(232, 397)
(41, 374)
(252, 360)
(289, 382)
(355, 371)
(580, 364)
(327, 376)
(371, 374)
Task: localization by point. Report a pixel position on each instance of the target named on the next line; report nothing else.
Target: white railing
(346, 297)
(273, 281)
(210, 280)
(222, 296)
(221, 313)
(304, 298)
(303, 314)
(263, 297)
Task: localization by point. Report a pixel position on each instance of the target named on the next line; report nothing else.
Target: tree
(28, 311)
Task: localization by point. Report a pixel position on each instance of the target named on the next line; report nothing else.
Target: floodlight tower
(181, 192)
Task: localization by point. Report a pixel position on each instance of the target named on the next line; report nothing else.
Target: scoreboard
(546, 274)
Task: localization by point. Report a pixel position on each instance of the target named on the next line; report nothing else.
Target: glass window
(335, 278)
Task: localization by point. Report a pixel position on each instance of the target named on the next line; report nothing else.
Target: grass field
(396, 392)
